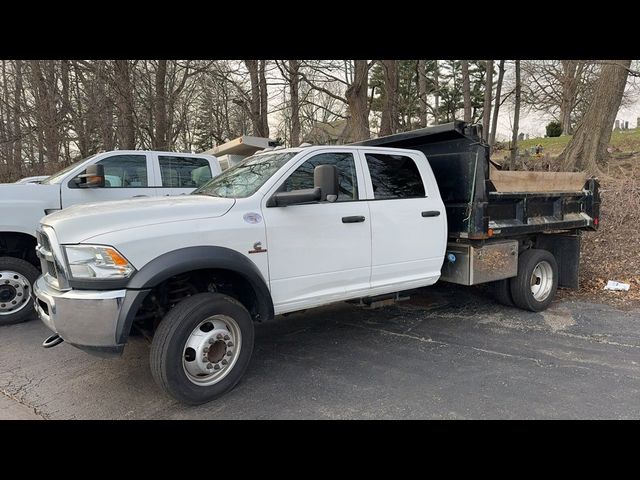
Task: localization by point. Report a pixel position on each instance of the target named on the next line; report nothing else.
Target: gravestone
(626, 125)
(638, 122)
(520, 137)
(617, 127)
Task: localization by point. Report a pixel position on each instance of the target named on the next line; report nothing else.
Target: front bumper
(87, 319)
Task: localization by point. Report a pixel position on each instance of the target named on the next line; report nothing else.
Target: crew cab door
(408, 220)
(319, 252)
(127, 175)
(179, 174)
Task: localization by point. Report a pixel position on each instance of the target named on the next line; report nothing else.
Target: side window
(394, 176)
(184, 172)
(303, 176)
(125, 171)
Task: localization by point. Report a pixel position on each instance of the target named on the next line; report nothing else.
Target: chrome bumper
(84, 318)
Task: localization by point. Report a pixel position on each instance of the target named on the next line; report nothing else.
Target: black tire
(31, 273)
(167, 347)
(521, 292)
(502, 292)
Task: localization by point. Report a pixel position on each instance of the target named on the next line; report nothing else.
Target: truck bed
(483, 202)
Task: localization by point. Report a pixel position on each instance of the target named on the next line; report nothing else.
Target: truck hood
(23, 205)
(81, 222)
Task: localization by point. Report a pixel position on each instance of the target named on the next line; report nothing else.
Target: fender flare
(184, 260)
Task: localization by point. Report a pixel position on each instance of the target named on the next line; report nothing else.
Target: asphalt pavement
(448, 353)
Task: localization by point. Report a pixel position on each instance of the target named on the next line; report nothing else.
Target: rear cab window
(184, 172)
(394, 176)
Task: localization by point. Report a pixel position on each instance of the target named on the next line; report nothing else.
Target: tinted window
(303, 176)
(394, 176)
(125, 171)
(184, 172)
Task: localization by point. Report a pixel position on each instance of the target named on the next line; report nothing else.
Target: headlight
(96, 261)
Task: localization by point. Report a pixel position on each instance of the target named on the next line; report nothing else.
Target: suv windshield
(56, 177)
(245, 178)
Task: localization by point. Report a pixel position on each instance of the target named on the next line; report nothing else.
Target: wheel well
(19, 245)
(164, 296)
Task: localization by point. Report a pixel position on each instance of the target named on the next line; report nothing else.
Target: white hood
(81, 222)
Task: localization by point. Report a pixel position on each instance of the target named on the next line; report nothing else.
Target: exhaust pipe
(52, 341)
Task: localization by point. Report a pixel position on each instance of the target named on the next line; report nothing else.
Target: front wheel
(16, 281)
(537, 281)
(202, 347)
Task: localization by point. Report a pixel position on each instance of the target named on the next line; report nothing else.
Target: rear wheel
(202, 347)
(537, 281)
(16, 281)
(502, 292)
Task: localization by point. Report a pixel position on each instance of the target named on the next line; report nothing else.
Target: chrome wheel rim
(541, 281)
(14, 292)
(211, 350)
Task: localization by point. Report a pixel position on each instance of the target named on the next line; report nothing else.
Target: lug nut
(230, 344)
(219, 336)
(226, 337)
(205, 349)
(216, 367)
(209, 366)
(212, 341)
(224, 362)
(229, 354)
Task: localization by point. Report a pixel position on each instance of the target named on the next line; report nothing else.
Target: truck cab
(125, 174)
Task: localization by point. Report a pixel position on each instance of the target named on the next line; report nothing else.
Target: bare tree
(466, 89)
(516, 118)
(496, 107)
(488, 92)
(588, 146)
(559, 88)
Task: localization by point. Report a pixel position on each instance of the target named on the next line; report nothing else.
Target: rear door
(408, 221)
(181, 174)
(127, 175)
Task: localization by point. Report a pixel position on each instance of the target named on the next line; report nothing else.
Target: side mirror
(93, 177)
(282, 199)
(325, 177)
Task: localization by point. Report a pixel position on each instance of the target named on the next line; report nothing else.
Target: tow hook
(52, 341)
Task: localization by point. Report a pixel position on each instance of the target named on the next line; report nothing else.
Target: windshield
(245, 178)
(56, 177)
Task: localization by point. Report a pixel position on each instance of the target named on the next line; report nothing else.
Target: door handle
(353, 219)
(431, 213)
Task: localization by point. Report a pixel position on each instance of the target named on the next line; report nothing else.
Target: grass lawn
(625, 140)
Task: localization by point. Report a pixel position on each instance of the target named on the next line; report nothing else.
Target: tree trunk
(496, 107)
(160, 107)
(124, 104)
(294, 93)
(488, 92)
(389, 121)
(264, 106)
(587, 149)
(516, 119)
(17, 131)
(254, 107)
(436, 81)
(358, 103)
(466, 89)
(571, 75)
(422, 91)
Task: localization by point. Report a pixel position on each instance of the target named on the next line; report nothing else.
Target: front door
(319, 252)
(126, 176)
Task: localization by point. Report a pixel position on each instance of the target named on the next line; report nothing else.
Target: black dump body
(460, 162)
